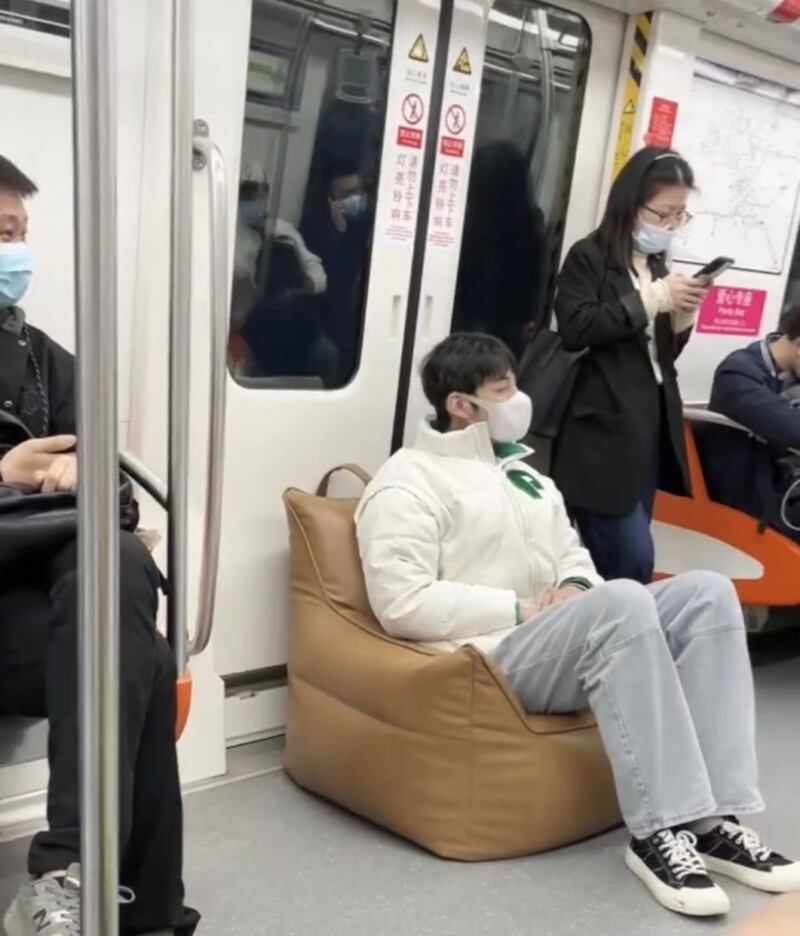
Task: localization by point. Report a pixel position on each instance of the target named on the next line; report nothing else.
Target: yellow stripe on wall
(632, 91)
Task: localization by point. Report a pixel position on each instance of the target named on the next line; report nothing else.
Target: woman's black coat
(614, 427)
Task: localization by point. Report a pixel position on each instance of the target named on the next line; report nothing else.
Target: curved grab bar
(211, 158)
(145, 478)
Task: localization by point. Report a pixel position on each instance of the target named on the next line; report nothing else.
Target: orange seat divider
(183, 700)
(779, 556)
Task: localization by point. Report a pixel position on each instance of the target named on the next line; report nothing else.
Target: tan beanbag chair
(433, 746)
(780, 917)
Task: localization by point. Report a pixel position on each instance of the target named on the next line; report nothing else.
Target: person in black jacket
(756, 387)
(39, 639)
(500, 276)
(622, 435)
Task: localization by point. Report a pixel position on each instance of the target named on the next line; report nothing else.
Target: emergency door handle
(208, 157)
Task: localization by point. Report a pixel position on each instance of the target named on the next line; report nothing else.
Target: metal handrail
(213, 160)
(145, 478)
(95, 170)
(180, 329)
(539, 156)
(697, 415)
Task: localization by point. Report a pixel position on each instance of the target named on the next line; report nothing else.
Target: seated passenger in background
(757, 388)
(462, 543)
(39, 639)
(274, 273)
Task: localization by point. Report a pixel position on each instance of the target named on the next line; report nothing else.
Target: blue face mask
(253, 214)
(354, 206)
(16, 267)
(652, 239)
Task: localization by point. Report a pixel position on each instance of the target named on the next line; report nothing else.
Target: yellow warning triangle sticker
(462, 64)
(419, 51)
(629, 107)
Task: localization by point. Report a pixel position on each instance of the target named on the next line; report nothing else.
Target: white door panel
(279, 437)
(457, 124)
(507, 107)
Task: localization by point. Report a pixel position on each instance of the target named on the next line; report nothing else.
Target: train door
(519, 170)
(321, 112)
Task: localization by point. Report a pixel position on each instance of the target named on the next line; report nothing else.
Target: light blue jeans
(666, 671)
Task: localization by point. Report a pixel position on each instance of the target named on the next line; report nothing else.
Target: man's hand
(62, 475)
(552, 597)
(560, 595)
(30, 462)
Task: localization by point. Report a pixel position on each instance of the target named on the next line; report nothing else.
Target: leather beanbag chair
(431, 745)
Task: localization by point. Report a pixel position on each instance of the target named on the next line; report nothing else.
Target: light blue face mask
(354, 206)
(253, 214)
(652, 239)
(16, 268)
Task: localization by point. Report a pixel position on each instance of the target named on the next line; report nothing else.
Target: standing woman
(622, 436)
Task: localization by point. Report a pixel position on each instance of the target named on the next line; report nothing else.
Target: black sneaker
(737, 852)
(670, 868)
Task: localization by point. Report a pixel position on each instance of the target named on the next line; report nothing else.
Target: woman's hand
(687, 292)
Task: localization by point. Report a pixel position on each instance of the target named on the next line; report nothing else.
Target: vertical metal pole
(94, 142)
(180, 321)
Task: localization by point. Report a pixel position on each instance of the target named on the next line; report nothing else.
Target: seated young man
(757, 387)
(39, 640)
(461, 542)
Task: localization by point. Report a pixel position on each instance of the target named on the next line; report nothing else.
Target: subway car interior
(310, 195)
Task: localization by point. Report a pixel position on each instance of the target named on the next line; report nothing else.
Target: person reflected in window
(622, 435)
(39, 637)
(337, 226)
(501, 273)
(757, 387)
(274, 328)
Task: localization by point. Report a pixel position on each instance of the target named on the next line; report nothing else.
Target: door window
(314, 116)
(791, 299)
(532, 90)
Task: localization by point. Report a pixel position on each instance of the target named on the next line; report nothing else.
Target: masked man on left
(39, 639)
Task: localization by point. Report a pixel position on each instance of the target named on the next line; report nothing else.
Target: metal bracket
(199, 129)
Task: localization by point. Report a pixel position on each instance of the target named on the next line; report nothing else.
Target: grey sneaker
(47, 907)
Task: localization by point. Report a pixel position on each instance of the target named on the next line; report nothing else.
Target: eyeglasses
(669, 219)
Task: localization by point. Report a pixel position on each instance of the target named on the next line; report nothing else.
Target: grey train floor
(265, 859)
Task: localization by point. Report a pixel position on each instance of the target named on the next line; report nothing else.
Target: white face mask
(509, 420)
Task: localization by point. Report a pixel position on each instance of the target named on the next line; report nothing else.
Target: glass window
(531, 99)
(316, 94)
(792, 298)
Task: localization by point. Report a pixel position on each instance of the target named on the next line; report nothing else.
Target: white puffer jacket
(455, 531)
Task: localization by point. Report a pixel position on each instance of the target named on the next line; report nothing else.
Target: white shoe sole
(705, 902)
(11, 923)
(783, 880)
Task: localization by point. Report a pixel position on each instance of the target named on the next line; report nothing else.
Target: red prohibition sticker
(455, 119)
(413, 109)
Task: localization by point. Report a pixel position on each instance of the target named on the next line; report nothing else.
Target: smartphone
(716, 267)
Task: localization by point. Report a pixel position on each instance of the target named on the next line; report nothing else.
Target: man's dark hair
(640, 179)
(790, 323)
(14, 180)
(463, 363)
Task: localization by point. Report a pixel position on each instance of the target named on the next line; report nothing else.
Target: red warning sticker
(450, 146)
(409, 136)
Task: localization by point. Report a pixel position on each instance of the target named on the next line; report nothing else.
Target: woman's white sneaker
(738, 853)
(671, 869)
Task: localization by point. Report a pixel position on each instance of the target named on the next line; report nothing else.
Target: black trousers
(39, 677)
